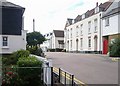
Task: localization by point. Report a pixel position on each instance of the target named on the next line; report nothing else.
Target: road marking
(69, 78)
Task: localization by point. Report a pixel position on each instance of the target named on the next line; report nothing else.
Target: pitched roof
(58, 33)
(102, 7)
(106, 5)
(9, 4)
(112, 12)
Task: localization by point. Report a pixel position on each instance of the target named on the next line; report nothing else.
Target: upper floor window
(4, 41)
(89, 26)
(107, 21)
(81, 31)
(95, 25)
(71, 33)
(77, 27)
(68, 34)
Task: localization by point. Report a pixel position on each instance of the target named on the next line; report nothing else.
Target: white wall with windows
(110, 25)
(81, 31)
(11, 43)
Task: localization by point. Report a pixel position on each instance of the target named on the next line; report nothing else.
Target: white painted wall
(15, 42)
(55, 43)
(113, 26)
(85, 34)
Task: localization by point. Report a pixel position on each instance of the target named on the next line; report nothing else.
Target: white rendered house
(48, 43)
(12, 33)
(111, 25)
(83, 34)
(57, 39)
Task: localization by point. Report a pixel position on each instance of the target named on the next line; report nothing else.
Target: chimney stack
(96, 4)
(33, 25)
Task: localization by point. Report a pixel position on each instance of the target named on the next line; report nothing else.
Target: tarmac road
(88, 68)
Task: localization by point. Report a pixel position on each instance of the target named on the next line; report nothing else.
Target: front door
(105, 46)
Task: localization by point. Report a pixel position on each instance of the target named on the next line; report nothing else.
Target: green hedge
(114, 48)
(13, 58)
(30, 71)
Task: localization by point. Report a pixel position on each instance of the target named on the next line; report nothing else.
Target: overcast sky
(52, 14)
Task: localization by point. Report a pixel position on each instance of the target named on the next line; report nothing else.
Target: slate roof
(9, 4)
(102, 7)
(112, 12)
(58, 33)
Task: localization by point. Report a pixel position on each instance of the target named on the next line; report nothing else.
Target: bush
(13, 58)
(114, 48)
(30, 76)
(35, 50)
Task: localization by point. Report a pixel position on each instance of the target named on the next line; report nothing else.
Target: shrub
(114, 48)
(30, 71)
(35, 50)
(13, 58)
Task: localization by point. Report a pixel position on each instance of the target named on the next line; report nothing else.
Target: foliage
(114, 48)
(30, 76)
(11, 77)
(35, 38)
(35, 50)
(13, 58)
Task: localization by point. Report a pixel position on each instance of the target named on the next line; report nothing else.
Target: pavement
(87, 68)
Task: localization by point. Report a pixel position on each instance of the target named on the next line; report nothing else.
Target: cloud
(76, 5)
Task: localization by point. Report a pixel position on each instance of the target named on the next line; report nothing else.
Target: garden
(21, 69)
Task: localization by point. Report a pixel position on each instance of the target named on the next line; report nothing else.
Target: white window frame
(81, 30)
(71, 33)
(81, 43)
(7, 46)
(89, 42)
(95, 25)
(89, 27)
(77, 27)
(71, 44)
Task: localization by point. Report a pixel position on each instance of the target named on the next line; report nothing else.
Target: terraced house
(84, 33)
(12, 34)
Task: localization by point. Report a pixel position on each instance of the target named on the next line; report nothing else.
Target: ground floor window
(89, 42)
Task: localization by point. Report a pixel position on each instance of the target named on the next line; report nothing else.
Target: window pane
(5, 41)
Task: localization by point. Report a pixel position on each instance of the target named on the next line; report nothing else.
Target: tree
(35, 38)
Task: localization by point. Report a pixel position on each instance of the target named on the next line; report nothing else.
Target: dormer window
(83, 16)
(96, 9)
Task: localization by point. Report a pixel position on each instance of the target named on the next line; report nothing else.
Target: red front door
(105, 46)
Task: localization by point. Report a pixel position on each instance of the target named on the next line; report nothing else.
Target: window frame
(5, 41)
(89, 27)
(107, 21)
(95, 25)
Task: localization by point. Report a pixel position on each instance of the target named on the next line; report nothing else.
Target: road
(88, 68)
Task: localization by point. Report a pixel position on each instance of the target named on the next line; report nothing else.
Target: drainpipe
(100, 35)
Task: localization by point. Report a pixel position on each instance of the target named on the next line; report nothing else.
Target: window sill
(5, 47)
(106, 25)
(89, 33)
(95, 31)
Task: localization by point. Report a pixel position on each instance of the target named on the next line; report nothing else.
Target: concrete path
(89, 68)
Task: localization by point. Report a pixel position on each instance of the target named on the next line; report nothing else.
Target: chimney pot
(96, 4)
